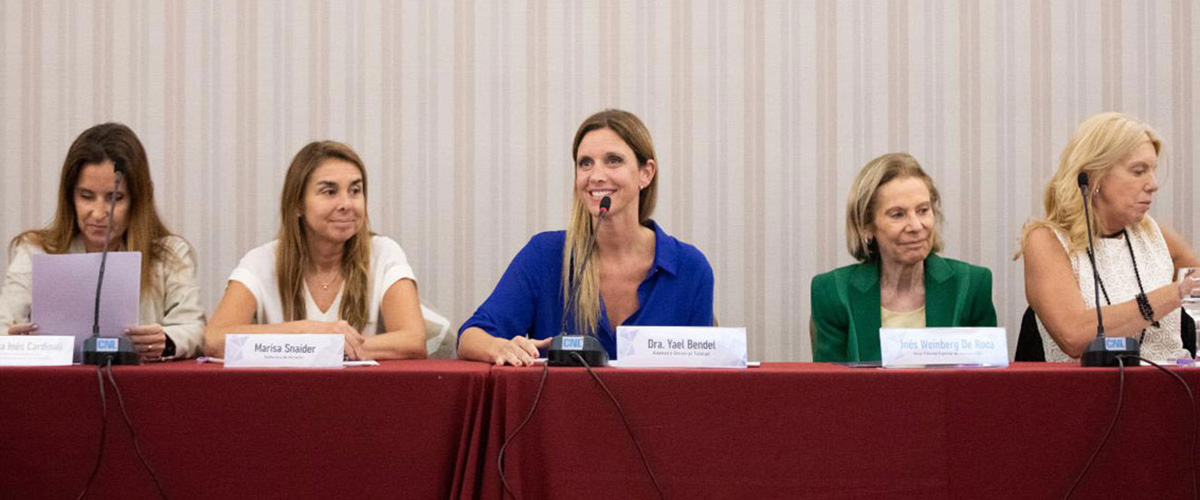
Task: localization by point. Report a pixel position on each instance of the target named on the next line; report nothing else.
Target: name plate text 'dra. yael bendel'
(680, 347)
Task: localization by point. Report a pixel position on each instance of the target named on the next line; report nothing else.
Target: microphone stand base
(1104, 351)
(587, 347)
(98, 351)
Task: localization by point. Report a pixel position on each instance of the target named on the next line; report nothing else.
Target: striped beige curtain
(762, 112)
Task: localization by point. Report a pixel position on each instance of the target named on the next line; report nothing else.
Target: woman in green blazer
(892, 221)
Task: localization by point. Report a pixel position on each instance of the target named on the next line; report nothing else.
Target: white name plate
(280, 350)
(36, 350)
(919, 347)
(680, 347)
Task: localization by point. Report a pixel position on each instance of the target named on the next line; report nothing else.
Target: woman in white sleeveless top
(1135, 255)
(326, 273)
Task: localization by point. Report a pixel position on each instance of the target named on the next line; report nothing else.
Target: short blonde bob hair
(860, 205)
(1101, 143)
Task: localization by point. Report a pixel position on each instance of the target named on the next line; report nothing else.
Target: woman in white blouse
(326, 272)
(1137, 257)
(172, 320)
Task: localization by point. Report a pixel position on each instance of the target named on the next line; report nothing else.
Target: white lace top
(1118, 277)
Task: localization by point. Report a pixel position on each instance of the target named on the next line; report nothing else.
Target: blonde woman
(326, 272)
(172, 320)
(893, 218)
(1136, 256)
(636, 274)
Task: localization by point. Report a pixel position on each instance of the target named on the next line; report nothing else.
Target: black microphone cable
(133, 436)
(1120, 398)
(100, 369)
(528, 417)
(1116, 415)
(533, 408)
(624, 420)
(1192, 406)
(103, 431)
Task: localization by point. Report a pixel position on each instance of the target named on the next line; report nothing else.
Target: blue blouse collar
(666, 250)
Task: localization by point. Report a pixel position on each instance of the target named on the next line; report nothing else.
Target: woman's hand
(519, 351)
(23, 329)
(355, 350)
(148, 341)
(1189, 286)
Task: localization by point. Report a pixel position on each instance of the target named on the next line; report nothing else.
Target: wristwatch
(168, 348)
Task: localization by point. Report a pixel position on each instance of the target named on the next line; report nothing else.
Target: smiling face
(903, 221)
(1125, 193)
(334, 201)
(606, 166)
(93, 191)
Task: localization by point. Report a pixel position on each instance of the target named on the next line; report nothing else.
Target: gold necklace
(325, 285)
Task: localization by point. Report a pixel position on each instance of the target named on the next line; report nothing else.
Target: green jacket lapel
(941, 292)
(864, 308)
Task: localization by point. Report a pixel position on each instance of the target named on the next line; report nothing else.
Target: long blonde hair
(144, 230)
(292, 254)
(1098, 145)
(860, 204)
(586, 305)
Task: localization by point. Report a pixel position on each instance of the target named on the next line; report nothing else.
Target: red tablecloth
(400, 430)
(827, 431)
(432, 429)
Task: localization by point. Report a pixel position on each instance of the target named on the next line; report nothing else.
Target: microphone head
(1083, 179)
(120, 170)
(605, 204)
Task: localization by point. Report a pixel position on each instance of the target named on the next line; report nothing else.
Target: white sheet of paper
(64, 294)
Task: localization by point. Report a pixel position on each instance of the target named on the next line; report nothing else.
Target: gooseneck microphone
(1083, 189)
(586, 346)
(99, 350)
(1102, 351)
(112, 212)
(605, 204)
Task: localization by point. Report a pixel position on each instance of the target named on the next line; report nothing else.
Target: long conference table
(434, 428)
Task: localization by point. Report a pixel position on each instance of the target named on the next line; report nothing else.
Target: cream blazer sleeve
(17, 293)
(176, 306)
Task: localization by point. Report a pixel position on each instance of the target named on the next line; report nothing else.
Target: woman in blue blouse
(636, 274)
